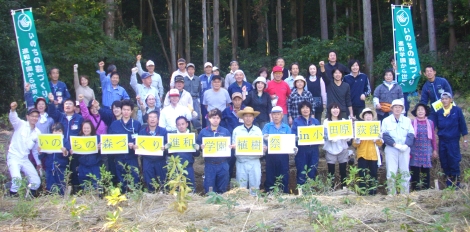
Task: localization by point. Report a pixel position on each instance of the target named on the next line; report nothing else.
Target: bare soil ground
(429, 210)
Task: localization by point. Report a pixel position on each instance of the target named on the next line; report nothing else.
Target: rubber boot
(342, 172)
(331, 172)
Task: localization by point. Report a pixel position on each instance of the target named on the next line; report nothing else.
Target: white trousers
(16, 166)
(249, 173)
(397, 161)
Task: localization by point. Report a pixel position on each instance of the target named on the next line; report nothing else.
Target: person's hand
(194, 114)
(296, 150)
(139, 100)
(378, 106)
(71, 151)
(321, 63)
(265, 148)
(13, 106)
(81, 97)
(434, 154)
(397, 146)
(39, 149)
(244, 88)
(135, 147)
(27, 87)
(75, 68)
(290, 120)
(168, 146)
(265, 137)
(233, 146)
(202, 146)
(324, 106)
(134, 70)
(357, 140)
(196, 146)
(95, 103)
(99, 146)
(101, 64)
(465, 146)
(363, 97)
(51, 97)
(138, 57)
(39, 167)
(273, 96)
(352, 117)
(64, 151)
(131, 145)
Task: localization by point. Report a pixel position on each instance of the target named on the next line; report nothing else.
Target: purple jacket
(96, 119)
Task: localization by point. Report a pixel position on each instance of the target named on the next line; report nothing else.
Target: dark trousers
(306, 156)
(407, 103)
(84, 170)
(276, 165)
(418, 183)
(216, 176)
(381, 117)
(203, 116)
(153, 169)
(449, 155)
(368, 167)
(318, 113)
(55, 179)
(357, 110)
(231, 164)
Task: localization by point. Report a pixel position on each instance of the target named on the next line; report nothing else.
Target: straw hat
(365, 110)
(300, 78)
(247, 110)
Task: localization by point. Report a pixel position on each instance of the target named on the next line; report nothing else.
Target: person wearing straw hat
(368, 155)
(278, 164)
(260, 101)
(424, 148)
(398, 135)
(451, 125)
(299, 94)
(248, 167)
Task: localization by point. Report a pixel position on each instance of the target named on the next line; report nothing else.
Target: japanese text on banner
(310, 135)
(84, 145)
(406, 52)
(216, 147)
(149, 145)
(114, 144)
(51, 142)
(367, 130)
(281, 144)
(249, 145)
(181, 142)
(34, 71)
(340, 129)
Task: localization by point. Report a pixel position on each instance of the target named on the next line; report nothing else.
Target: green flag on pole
(405, 50)
(34, 71)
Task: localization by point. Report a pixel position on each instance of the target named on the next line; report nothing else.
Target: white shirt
(334, 147)
(24, 139)
(185, 99)
(169, 114)
(397, 130)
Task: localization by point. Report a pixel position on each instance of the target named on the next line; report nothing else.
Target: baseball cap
(179, 78)
(190, 65)
(237, 94)
(207, 64)
(181, 60)
(446, 94)
(216, 77)
(214, 68)
(277, 109)
(33, 110)
(277, 69)
(174, 93)
(145, 75)
(150, 63)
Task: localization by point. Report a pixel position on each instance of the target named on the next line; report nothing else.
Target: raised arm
(13, 116)
(134, 80)
(139, 65)
(76, 82)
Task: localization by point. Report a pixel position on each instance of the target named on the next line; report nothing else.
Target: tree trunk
(397, 2)
(209, 21)
(259, 15)
(300, 19)
(172, 35)
(348, 18)
(359, 14)
(368, 43)
(160, 36)
(141, 16)
(268, 45)
(335, 20)
(233, 29)
(351, 23)
(109, 23)
(323, 20)
(450, 18)
(204, 32)
(279, 26)
(379, 21)
(424, 22)
(431, 27)
(186, 33)
(216, 32)
(246, 23)
(293, 15)
(180, 13)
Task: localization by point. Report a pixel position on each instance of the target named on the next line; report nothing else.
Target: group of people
(274, 103)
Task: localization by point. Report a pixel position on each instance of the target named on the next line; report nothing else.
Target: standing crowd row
(274, 103)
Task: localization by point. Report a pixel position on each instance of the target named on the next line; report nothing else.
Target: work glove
(357, 140)
(134, 70)
(196, 146)
(403, 147)
(75, 68)
(168, 146)
(194, 114)
(266, 137)
(296, 150)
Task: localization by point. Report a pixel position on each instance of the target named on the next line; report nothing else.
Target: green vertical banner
(405, 50)
(34, 71)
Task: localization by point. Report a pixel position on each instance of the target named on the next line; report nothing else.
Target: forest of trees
(254, 32)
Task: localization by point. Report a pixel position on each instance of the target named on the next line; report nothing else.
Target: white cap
(277, 109)
(207, 64)
(149, 63)
(397, 102)
(214, 68)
